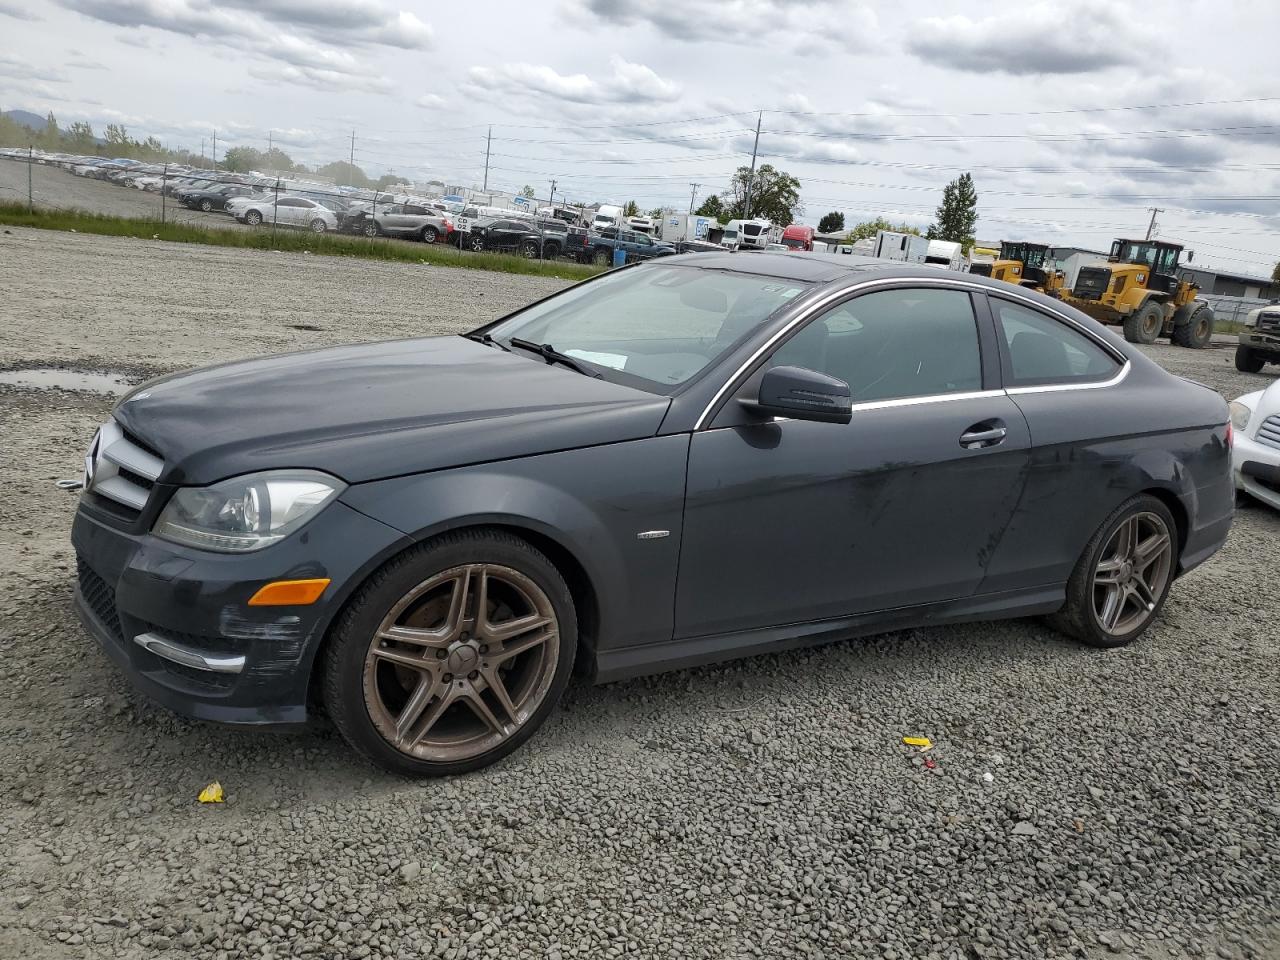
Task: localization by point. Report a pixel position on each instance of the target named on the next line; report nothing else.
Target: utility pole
(1151, 227)
(552, 201)
(351, 174)
(269, 148)
(215, 149)
(202, 140)
(746, 213)
(488, 141)
(694, 195)
(31, 160)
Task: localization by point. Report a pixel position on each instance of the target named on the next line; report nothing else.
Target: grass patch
(294, 240)
(1231, 326)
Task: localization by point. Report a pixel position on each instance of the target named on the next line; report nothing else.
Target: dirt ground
(761, 809)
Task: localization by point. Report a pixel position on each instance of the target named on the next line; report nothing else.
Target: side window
(1042, 350)
(896, 343)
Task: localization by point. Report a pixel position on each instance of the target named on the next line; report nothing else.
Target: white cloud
(1036, 39)
(11, 8)
(429, 101)
(628, 83)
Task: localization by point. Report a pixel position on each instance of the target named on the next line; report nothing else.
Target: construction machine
(1022, 264)
(1139, 288)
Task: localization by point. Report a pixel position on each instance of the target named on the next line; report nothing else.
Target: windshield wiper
(552, 355)
(487, 338)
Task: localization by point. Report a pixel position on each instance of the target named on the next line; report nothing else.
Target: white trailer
(946, 254)
(904, 247)
(686, 226)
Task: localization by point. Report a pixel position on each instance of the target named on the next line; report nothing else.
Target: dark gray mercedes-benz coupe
(675, 463)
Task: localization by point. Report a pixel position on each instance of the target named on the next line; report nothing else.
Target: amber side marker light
(289, 593)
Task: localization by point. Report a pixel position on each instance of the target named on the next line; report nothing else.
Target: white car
(287, 211)
(1255, 455)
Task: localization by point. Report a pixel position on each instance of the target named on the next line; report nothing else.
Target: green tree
(631, 209)
(50, 138)
(713, 206)
(831, 222)
(528, 191)
(242, 159)
(656, 213)
(957, 218)
(342, 172)
(774, 196)
(1275, 274)
(79, 138)
(869, 228)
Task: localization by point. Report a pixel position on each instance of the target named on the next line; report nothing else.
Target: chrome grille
(1269, 431)
(120, 468)
(1269, 321)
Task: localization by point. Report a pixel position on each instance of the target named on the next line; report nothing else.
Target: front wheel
(1196, 330)
(318, 226)
(1248, 360)
(206, 205)
(452, 655)
(1122, 579)
(370, 229)
(1143, 326)
(530, 251)
(600, 258)
(476, 244)
(253, 218)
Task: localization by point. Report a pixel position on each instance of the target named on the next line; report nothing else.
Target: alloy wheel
(461, 662)
(1131, 574)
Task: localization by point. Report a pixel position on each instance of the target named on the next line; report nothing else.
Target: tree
(869, 228)
(831, 222)
(528, 191)
(957, 217)
(79, 138)
(713, 206)
(340, 171)
(656, 213)
(631, 209)
(241, 160)
(1275, 274)
(774, 196)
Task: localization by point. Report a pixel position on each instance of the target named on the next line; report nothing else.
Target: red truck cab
(797, 237)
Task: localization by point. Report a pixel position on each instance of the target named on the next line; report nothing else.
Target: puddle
(306, 326)
(51, 378)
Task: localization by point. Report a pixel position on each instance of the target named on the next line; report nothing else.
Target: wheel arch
(1181, 518)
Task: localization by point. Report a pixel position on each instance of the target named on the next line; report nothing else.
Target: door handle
(983, 435)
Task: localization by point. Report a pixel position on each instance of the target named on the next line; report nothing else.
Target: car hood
(377, 410)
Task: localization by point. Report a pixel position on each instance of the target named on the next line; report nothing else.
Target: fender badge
(653, 534)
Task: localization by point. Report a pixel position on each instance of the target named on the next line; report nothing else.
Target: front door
(789, 521)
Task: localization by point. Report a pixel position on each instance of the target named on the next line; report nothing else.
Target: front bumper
(1266, 343)
(1256, 469)
(177, 620)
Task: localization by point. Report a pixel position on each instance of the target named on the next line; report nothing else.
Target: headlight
(246, 513)
(1240, 415)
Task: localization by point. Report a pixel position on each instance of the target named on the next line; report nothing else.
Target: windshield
(1163, 258)
(653, 326)
(792, 242)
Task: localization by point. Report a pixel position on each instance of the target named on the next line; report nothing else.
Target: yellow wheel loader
(1139, 289)
(1022, 264)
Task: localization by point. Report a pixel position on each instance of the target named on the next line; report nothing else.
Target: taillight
(1231, 434)
(448, 225)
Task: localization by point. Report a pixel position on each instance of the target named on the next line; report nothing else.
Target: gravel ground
(1079, 803)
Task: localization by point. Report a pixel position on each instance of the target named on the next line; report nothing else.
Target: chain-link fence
(215, 199)
(1232, 309)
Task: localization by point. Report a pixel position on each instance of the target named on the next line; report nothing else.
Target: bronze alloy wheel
(1131, 573)
(461, 662)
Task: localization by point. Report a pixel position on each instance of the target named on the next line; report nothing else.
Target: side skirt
(681, 654)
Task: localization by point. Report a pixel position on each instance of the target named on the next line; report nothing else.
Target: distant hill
(26, 118)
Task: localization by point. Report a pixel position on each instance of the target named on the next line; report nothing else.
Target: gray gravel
(1077, 803)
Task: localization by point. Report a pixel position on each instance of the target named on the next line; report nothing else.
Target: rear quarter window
(1041, 350)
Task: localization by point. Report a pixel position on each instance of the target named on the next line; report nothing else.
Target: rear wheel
(1121, 580)
(429, 235)
(1194, 330)
(1143, 325)
(600, 258)
(452, 655)
(1247, 360)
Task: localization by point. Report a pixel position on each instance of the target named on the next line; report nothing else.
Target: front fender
(592, 502)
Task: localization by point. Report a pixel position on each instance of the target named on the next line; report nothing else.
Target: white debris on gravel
(1079, 803)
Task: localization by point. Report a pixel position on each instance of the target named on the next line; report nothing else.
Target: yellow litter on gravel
(211, 794)
(917, 742)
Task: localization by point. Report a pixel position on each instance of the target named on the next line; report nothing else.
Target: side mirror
(802, 394)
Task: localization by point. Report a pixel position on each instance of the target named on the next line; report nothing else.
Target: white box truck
(905, 247)
(946, 254)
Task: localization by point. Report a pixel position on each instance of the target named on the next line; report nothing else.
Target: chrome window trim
(946, 283)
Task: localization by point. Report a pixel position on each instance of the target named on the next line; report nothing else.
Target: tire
(357, 683)
(252, 217)
(429, 235)
(476, 243)
(206, 205)
(1080, 616)
(1248, 360)
(550, 251)
(1193, 327)
(600, 258)
(318, 225)
(370, 229)
(1144, 324)
(529, 251)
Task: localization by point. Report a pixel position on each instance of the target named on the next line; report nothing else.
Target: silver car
(287, 212)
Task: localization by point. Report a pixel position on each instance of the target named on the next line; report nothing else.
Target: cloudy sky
(1073, 118)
